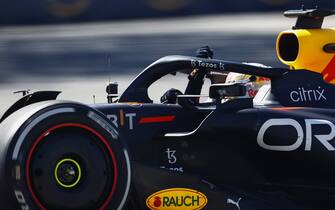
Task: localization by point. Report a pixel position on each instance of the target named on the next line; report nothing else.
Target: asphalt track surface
(74, 58)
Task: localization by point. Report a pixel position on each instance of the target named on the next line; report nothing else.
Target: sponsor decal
(171, 155)
(177, 198)
(175, 169)
(172, 161)
(308, 95)
(209, 65)
(305, 137)
(252, 93)
(123, 119)
(235, 203)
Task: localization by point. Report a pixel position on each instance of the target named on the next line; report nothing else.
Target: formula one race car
(231, 152)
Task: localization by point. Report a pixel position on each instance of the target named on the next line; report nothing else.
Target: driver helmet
(252, 83)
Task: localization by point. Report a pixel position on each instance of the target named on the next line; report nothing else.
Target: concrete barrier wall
(59, 11)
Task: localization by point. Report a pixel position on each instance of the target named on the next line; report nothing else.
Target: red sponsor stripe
(157, 119)
(329, 71)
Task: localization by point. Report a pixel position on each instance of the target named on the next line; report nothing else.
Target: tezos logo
(308, 95)
(177, 198)
(208, 65)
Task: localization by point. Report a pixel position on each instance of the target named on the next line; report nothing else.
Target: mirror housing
(220, 91)
(112, 91)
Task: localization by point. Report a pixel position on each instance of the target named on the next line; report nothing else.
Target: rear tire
(60, 155)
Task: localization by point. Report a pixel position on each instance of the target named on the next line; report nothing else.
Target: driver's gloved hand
(170, 96)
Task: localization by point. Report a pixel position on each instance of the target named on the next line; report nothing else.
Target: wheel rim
(70, 171)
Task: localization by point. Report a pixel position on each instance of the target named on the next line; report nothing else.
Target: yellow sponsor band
(177, 198)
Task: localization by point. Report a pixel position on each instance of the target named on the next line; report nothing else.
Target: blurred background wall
(66, 44)
(60, 11)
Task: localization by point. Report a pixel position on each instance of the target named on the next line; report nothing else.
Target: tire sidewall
(81, 115)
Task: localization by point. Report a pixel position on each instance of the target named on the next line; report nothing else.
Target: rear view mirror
(220, 91)
(112, 91)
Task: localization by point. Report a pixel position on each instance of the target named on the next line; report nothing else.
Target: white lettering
(199, 63)
(295, 99)
(322, 138)
(113, 118)
(303, 95)
(171, 154)
(309, 123)
(20, 198)
(280, 122)
(321, 94)
(131, 116)
(180, 169)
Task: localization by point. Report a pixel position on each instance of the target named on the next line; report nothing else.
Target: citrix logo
(303, 95)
